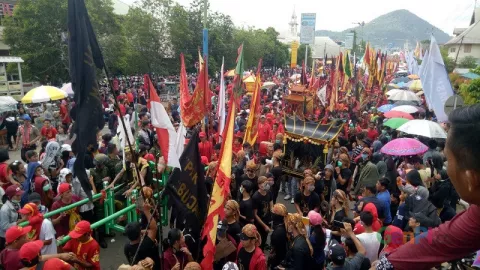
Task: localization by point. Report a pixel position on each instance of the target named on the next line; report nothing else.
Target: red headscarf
(376, 225)
(393, 238)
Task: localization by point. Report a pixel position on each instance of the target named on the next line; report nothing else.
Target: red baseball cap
(204, 160)
(31, 250)
(57, 264)
(29, 208)
(13, 190)
(15, 232)
(149, 157)
(80, 229)
(202, 134)
(63, 187)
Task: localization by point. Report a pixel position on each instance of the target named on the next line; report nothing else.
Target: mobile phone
(338, 224)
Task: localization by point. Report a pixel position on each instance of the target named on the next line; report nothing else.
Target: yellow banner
(293, 60)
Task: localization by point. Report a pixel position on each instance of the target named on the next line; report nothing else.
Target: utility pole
(205, 31)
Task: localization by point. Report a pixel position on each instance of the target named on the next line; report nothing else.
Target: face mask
(339, 163)
(46, 187)
(242, 189)
(311, 188)
(266, 187)
(364, 156)
(277, 141)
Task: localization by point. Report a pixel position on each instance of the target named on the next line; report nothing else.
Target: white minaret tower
(293, 24)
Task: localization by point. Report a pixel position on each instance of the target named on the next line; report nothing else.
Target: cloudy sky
(339, 15)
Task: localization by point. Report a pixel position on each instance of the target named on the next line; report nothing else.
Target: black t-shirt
(279, 243)
(346, 173)
(307, 203)
(277, 175)
(338, 216)
(262, 204)
(327, 190)
(148, 249)
(234, 231)
(246, 210)
(319, 186)
(254, 180)
(244, 259)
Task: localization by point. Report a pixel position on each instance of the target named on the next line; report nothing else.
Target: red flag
(163, 126)
(193, 107)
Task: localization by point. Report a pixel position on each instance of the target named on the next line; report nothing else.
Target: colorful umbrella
(392, 86)
(413, 76)
(416, 85)
(406, 102)
(406, 108)
(404, 95)
(230, 73)
(7, 103)
(402, 85)
(401, 79)
(43, 93)
(393, 91)
(397, 114)
(249, 79)
(386, 108)
(404, 147)
(67, 88)
(395, 122)
(419, 93)
(424, 128)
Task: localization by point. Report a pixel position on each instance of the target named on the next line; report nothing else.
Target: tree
(468, 62)
(301, 55)
(38, 32)
(449, 62)
(470, 92)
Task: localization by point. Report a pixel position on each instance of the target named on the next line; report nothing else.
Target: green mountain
(392, 29)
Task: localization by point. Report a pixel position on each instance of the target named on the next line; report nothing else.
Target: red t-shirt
(64, 114)
(130, 97)
(205, 149)
(4, 173)
(10, 259)
(88, 252)
(264, 131)
(372, 134)
(63, 228)
(49, 133)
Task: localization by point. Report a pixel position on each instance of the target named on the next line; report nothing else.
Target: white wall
(475, 51)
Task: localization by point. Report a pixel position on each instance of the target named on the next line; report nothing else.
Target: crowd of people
(353, 209)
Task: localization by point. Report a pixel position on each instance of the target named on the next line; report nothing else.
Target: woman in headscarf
(52, 163)
(392, 238)
(232, 215)
(6, 178)
(376, 225)
(278, 238)
(377, 159)
(41, 185)
(299, 256)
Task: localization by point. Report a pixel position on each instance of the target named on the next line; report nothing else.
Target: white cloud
(340, 14)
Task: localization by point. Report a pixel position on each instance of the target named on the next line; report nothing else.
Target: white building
(466, 42)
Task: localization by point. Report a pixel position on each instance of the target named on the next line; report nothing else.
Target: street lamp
(361, 24)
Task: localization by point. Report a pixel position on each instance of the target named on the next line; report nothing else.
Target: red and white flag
(166, 134)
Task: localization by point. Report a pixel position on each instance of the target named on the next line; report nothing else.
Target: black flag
(85, 56)
(187, 189)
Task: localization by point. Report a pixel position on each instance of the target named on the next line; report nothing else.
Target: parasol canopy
(397, 114)
(395, 122)
(405, 96)
(424, 128)
(67, 88)
(406, 102)
(43, 93)
(406, 108)
(249, 79)
(404, 147)
(386, 108)
(230, 73)
(401, 79)
(413, 76)
(7, 103)
(268, 84)
(393, 91)
(416, 85)
(419, 93)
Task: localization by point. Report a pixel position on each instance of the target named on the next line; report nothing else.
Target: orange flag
(221, 189)
(193, 107)
(251, 131)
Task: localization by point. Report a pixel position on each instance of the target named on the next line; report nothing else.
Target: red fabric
(236, 147)
(372, 134)
(88, 252)
(63, 228)
(64, 114)
(258, 261)
(169, 259)
(4, 173)
(370, 207)
(449, 241)
(10, 259)
(264, 131)
(123, 110)
(130, 97)
(206, 149)
(49, 133)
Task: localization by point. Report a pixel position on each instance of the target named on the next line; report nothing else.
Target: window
(453, 49)
(467, 48)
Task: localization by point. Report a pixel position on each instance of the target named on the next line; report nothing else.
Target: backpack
(415, 204)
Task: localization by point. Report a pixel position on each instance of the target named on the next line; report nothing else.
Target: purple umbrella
(404, 147)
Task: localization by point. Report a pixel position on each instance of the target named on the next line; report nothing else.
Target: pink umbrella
(398, 114)
(404, 147)
(67, 88)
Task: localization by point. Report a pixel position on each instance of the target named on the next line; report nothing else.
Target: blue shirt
(400, 220)
(384, 197)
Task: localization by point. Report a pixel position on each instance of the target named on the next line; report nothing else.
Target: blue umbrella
(401, 85)
(386, 108)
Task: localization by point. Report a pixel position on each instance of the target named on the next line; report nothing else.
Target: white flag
(180, 141)
(221, 104)
(435, 82)
(322, 94)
